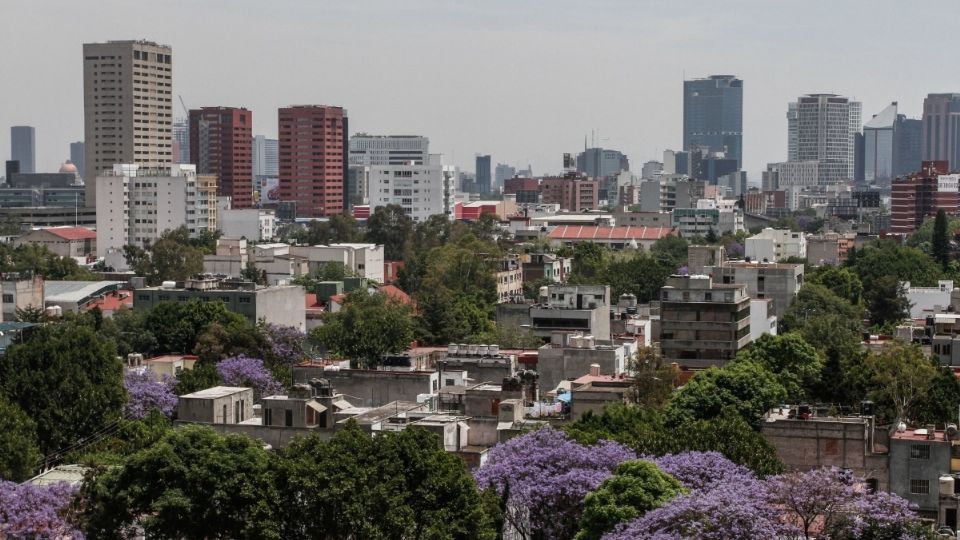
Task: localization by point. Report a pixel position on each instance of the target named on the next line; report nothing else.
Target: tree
(250, 272)
(18, 443)
(589, 263)
(203, 375)
(901, 375)
(840, 281)
(146, 393)
(837, 339)
(887, 301)
(941, 400)
(395, 485)
(390, 227)
(888, 259)
(32, 314)
(178, 325)
(338, 228)
(813, 301)
(743, 388)
(640, 274)
(652, 382)
(248, 372)
(794, 362)
(30, 511)
(366, 327)
(171, 257)
(671, 251)
(193, 483)
(545, 477)
(37, 259)
(635, 488)
(941, 240)
(64, 364)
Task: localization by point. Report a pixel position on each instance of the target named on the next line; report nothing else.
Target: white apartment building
(788, 174)
(422, 190)
(364, 260)
(826, 127)
(774, 245)
(254, 224)
(140, 204)
(388, 149)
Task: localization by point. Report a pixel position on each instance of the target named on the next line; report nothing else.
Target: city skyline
(632, 98)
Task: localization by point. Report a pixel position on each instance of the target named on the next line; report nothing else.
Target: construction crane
(186, 111)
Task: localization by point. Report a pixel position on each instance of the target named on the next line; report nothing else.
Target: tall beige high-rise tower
(127, 107)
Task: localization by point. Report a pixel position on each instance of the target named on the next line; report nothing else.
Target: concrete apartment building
(20, 290)
(706, 217)
(699, 258)
(919, 457)
(573, 192)
(74, 242)
(423, 190)
(313, 152)
(127, 107)
(220, 145)
(140, 204)
(570, 355)
(509, 278)
(254, 224)
(829, 248)
(773, 245)
(546, 266)
(363, 260)
(283, 305)
(703, 323)
(573, 308)
(778, 281)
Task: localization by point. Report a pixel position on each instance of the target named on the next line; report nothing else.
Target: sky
(521, 80)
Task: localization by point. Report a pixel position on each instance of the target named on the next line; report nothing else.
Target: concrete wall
(559, 364)
(904, 468)
(210, 410)
(370, 388)
(809, 444)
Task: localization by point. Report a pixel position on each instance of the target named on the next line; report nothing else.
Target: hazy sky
(524, 81)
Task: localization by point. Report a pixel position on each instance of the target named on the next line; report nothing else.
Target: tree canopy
(366, 327)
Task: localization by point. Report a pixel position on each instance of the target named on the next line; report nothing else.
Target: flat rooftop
(215, 392)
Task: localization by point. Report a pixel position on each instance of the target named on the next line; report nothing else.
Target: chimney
(595, 370)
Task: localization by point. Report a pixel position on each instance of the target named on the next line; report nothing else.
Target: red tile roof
(72, 233)
(395, 293)
(112, 301)
(592, 232)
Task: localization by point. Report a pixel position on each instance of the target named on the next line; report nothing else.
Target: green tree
(639, 274)
(794, 362)
(940, 248)
(19, 455)
(68, 380)
(653, 382)
(396, 485)
(941, 401)
(250, 272)
(837, 339)
(172, 257)
(922, 238)
(391, 227)
(32, 314)
(814, 301)
(887, 301)
(886, 258)
(635, 488)
(900, 375)
(205, 241)
(671, 251)
(589, 263)
(193, 483)
(178, 325)
(37, 259)
(840, 281)
(743, 388)
(366, 327)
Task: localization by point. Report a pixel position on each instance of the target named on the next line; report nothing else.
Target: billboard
(269, 188)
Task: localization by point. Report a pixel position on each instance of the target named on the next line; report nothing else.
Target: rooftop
(170, 358)
(919, 434)
(582, 232)
(215, 392)
(72, 233)
(75, 292)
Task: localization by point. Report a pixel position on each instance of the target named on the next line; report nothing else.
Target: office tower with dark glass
(484, 173)
(891, 146)
(77, 156)
(713, 115)
(940, 132)
(827, 127)
(599, 163)
(220, 145)
(23, 147)
(127, 107)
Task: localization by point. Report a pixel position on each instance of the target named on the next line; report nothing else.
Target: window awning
(316, 406)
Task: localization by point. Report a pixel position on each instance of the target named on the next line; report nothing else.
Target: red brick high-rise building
(220, 144)
(574, 192)
(313, 152)
(919, 196)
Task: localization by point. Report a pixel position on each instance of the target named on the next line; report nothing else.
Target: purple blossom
(703, 471)
(734, 250)
(145, 393)
(246, 371)
(285, 343)
(683, 270)
(548, 476)
(29, 511)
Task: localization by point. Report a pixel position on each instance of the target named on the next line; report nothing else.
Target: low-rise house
(509, 279)
(73, 242)
(593, 392)
(918, 459)
(779, 281)
(926, 301)
(217, 405)
(546, 266)
(170, 365)
(571, 355)
(20, 290)
(774, 245)
(573, 308)
(363, 260)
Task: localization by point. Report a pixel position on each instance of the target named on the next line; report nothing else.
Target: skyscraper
(220, 145)
(181, 141)
(483, 173)
(23, 147)
(265, 157)
(599, 163)
(313, 158)
(502, 173)
(792, 131)
(891, 146)
(940, 132)
(713, 115)
(389, 149)
(77, 155)
(127, 106)
(827, 126)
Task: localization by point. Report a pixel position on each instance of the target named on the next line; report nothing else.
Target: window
(919, 451)
(268, 417)
(288, 418)
(919, 487)
(8, 299)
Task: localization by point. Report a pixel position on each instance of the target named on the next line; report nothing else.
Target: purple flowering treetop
(703, 471)
(29, 511)
(734, 249)
(246, 371)
(546, 477)
(145, 393)
(286, 344)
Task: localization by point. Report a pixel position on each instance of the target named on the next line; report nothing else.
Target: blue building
(713, 115)
(483, 178)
